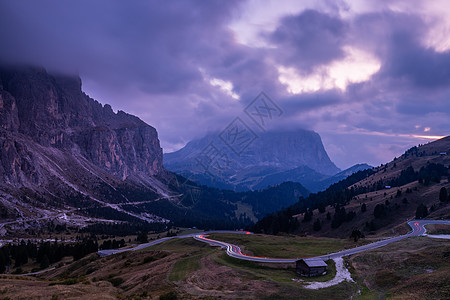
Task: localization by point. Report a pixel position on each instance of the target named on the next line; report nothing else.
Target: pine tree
(45, 262)
(443, 194)
(2, 262)
(379, 211)
(356, 235)
(317, 225)
(321, 207)
(363, 208)
(421, 211)
(142, 237)
(308, 215)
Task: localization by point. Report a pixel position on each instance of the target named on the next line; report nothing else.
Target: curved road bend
(234, 251)
(155, 242)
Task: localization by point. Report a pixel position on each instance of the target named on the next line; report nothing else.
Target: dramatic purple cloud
(372, 78)
(309, 39)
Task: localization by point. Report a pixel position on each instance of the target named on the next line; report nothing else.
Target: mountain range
(274, 157)
(377, 200)
(66, 158)
(61, 149)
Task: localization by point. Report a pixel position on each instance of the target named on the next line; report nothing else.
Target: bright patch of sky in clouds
(225, 86)
(357, 66)
(371, 77)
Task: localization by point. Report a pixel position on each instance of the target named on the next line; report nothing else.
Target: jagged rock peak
(53, 111)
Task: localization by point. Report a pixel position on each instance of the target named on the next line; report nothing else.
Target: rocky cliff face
(270, 154)
(54, 112)
(66, 158)
(60, 149)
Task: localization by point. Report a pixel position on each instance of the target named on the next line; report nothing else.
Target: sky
(371, 77)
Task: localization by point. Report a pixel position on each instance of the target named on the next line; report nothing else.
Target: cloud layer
(370, 78)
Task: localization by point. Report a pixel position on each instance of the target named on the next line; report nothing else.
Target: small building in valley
(311, 267)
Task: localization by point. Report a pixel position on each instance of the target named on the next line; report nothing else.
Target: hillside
(314, 181)
(374, 201)
(415, 268)
(63, 151)
(66, 159)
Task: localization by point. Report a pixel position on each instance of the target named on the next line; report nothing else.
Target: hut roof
(315, 262)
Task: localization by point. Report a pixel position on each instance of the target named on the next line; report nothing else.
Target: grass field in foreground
(414, 268)
(183, 267)
(438, 229)
(273, 272)
(286, 246)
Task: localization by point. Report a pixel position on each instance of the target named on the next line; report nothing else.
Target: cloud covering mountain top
(371, 78)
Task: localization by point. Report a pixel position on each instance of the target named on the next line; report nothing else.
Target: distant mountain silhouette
(66, 158)
(273, 158)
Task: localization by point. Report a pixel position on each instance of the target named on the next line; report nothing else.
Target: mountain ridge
(272, 152)
(376, 200)
(66, 158)
(53, 111)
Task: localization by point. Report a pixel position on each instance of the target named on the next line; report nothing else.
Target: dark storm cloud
(310, 101)
(161, 48)
(150, 58)
(424, 67)
(156, 59)
(309, 39)
(151, 44)
(397, 39)
(412, 88)
(379, 116)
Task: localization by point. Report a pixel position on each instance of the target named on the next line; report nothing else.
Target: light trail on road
(156, 242)
(417, 228)
(235, 251)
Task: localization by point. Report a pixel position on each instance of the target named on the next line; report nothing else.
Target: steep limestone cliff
(54, 112)
(61, 149)
(64, 157)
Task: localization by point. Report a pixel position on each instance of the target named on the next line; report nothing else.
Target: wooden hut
(311, 267)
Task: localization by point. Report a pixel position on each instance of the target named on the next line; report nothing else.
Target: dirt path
(342, 274)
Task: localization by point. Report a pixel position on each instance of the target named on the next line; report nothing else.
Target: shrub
(317, 225)
(116, 281)
(168, 296)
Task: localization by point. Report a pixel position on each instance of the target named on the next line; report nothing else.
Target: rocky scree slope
(66, 157)
(61, 149)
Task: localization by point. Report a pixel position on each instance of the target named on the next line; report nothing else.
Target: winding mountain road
(155, 242)
(234, 251)
(417, 228)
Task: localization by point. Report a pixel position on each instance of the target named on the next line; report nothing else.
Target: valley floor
(414, 268)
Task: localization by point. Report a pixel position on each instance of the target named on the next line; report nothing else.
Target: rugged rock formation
(268, 157)
(54, 112)
(61, 149)
(66, 158)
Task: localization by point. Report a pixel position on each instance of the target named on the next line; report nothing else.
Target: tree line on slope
(339, 194)
(43, 253)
